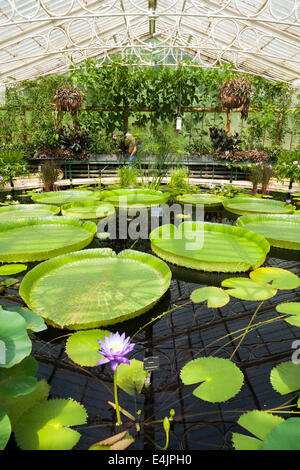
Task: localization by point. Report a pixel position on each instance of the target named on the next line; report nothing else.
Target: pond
(173, 340)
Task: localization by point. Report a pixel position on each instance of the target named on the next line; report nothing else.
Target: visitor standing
(132, 150)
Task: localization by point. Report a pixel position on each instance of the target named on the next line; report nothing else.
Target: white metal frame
(40, 37)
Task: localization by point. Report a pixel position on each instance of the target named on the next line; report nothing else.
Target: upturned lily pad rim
(193, 199)
(19, 208)
(210, 265)
(244, 210)
(41, 198)
(43, 269)
(159, 197)
(278, 241)
(7, 225)
(66, 209)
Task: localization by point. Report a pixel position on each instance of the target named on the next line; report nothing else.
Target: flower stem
(119, 422)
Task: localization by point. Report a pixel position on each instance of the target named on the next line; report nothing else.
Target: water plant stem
(119, 422)
(246, 331)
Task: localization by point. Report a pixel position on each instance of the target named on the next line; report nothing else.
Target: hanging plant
(236, 94)
(68, 99)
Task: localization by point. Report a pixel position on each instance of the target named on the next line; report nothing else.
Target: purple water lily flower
(114, 349)
(288, 201)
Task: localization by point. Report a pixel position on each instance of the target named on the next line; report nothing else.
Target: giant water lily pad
(220, 378)
(46, 426)
(209, 247)
(58, 198)
(205, 199)
(88, 210)
(242, 206)
(39, 239)
(93, 288)
(134, 197)
(26, 211)
(281, 231)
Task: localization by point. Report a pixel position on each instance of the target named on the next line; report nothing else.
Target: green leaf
(9, 269)
(221, 379)
(131, 377)
(215, 296)
(46, 426)
(82, 347)
(247, 289)
(13, 337)
(9, 282)
(5, 427)
(260, 424)
(16, 406)
(285, 436)
(19, 379)
(281, 278)
(34, 321)
(290, 308)
(285, 378)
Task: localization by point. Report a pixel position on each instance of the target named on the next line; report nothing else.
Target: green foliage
(179, 179)
(220, 378)
(288, 165)
(14, 337)
(82, 347)
(128, 176)
(214, 296)
(285, 378)
(5, 427)
(284, 436)
(131, 377)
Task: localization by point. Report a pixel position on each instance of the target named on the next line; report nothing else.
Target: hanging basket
(236, 94)
(68, 99)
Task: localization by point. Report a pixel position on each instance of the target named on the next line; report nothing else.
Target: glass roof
(40, 37)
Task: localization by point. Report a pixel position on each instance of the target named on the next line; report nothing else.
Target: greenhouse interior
(150, 226)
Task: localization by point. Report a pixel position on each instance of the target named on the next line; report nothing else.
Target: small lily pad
(9, 269)
(14, 338)
(220, 378)
(281, 278)
(82, 347)
(285, 378)
(258, 423)
(46, 426)
(247, 289)
(290, 308)
(19, 380)
(10, 281)
(215, 296)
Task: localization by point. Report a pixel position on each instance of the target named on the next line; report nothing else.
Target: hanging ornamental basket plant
(68, 99)
(236, 94)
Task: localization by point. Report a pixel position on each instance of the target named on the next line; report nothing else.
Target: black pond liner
(175, 339)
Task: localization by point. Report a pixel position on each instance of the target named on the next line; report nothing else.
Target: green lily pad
(284, 436)
(9, 281)
(5, 427)
(209, 247)
(88, 210)
(281, 278)
(135, 197)
(9, 269)
(220, 378)
(82, 347)
(39, 239)
(215, 296)
(242, 206)
(16, 406)
(27, 211)
(247, 289)
(205, 199)
(46, 425)
(285, 378)
(14, 341)
(19, 379)
(94, 288)
(281, 231)
(34, 322)
(290, 308)
(131, 377)
(258, 423)
(58, 198)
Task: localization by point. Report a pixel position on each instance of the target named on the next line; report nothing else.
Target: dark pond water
(176, 338)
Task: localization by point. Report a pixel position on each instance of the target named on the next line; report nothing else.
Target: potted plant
(68, 99)
(236, 93)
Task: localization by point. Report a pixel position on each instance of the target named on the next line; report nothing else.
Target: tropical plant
(127, 176)
(222, 142)
(236, 93)
(68, 99)
(49, 175)
(179, 179)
